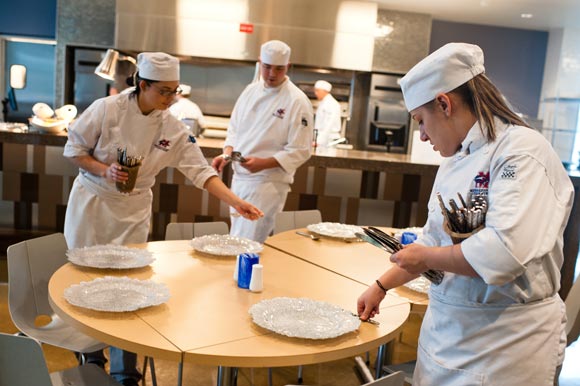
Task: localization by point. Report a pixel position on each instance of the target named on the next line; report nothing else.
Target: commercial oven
(387, 120)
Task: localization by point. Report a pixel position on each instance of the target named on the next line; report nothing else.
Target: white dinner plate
(110, 256)
(303, 318)
(116, 294)
(335, 229)
(225, 245)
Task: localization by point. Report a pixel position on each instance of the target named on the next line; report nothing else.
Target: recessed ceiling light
(526, 15)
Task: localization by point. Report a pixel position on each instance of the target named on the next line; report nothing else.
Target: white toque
(158, 66)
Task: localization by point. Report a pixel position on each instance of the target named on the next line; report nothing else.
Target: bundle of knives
(126, 160)
(388, 243)
(468, 217)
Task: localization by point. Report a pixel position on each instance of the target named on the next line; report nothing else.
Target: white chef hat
(323, 85)
(275, 52)
(444, 70)
(185, 89)
(158, 66)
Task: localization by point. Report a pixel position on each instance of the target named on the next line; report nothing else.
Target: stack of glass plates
(225, 245)
(110, 256)
(303, 318)
(116, 294)
(419, 284)
(336, 230)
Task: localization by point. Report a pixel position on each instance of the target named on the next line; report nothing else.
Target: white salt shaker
(257, 281)
(236, 268)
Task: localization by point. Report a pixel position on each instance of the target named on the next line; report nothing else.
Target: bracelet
(226, 157)
(380, 285)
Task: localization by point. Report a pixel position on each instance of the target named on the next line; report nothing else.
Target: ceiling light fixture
(108, 66)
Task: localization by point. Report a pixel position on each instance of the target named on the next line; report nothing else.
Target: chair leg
(151, 362)
(300, 373)
(269, 376)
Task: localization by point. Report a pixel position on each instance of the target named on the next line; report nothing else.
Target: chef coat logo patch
(191, 139)
(481, 183)
(163, 144)
(509, 172)
(280, 113)
(304, 122)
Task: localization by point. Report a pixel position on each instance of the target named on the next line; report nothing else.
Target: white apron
(269, 196)
(517, 344)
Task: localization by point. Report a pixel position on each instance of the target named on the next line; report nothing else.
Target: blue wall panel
(36, 18)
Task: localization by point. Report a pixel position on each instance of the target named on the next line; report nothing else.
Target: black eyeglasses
(166, 93)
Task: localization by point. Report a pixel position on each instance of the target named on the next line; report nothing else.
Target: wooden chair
(189, 230)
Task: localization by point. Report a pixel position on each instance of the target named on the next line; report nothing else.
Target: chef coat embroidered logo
(481, 183)
(304, 122)
(163, 144)
(280, 113)
(191, 139)
(509, 172)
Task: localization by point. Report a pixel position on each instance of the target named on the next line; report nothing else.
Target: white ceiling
(547, 14)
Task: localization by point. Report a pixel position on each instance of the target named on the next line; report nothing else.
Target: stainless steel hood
(323, 33)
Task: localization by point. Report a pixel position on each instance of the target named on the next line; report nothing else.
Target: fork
(313, 237)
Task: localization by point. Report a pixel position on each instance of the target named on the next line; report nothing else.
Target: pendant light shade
(108, 66)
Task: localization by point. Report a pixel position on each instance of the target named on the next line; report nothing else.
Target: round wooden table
(206, 320)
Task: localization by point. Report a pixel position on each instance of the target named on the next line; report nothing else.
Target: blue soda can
(247, 260)
(408, 238)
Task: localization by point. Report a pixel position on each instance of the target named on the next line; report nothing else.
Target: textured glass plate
(116, 294)
(419, 284)
(335, 229)
(225, 245)
(303, 318)
(110, 256)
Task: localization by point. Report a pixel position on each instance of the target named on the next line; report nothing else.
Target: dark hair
(487, 102)
(134, 81)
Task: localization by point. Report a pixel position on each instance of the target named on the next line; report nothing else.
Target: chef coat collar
(134, 106)
(475, 138)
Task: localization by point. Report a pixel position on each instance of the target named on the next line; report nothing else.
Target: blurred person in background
(185, 110)
(327, 120)
(271, 126)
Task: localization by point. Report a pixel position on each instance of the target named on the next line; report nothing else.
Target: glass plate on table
(335, 229)
(225, 245)
(116, 294)
(303, 318)
(419, 284)
(110, 256)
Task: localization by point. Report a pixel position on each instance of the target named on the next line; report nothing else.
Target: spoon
(313, 237)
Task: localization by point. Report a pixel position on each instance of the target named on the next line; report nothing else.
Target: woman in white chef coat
(496, 319)
(327, 120)
(271, 125)
(139, 121)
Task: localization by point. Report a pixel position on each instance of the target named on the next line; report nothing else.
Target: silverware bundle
(126, 160)
(468, 217)
(388, 243)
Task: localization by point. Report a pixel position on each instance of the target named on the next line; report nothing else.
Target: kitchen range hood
(322, 33)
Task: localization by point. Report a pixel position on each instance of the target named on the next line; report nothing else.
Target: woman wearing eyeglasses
(140, 122)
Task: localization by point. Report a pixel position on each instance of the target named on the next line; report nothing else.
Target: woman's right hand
(368, 303)
(115, 173)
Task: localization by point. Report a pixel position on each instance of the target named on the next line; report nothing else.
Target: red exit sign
(246, 28)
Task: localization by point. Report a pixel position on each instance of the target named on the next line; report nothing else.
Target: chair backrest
(31, 263)
(394, 379)
(573, 312)
(285, 221)
(189, 230)
(22, 362)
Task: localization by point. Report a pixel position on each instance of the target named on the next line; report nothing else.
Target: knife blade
(372, 241)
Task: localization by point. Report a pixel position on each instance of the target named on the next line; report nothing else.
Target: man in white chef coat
(184, 108)
(271, 126)
(327, 120)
